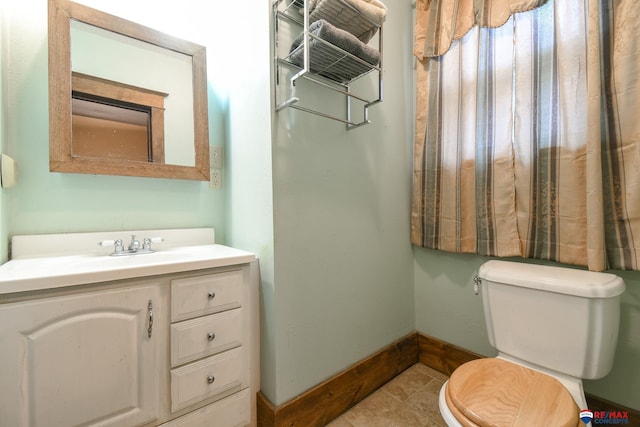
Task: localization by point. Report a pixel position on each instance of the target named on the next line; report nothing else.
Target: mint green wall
(44, 202)
(248, 178)
(343, 262)
(447, 308)
(3, 217)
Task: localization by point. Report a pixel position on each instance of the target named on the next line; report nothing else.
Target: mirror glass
(124, 99)
(102, 130)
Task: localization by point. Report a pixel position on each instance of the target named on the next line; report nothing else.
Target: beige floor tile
(383, 410)
(425, 401)
(409, 400)
(408, 383)
(431, 372)
(340, 422)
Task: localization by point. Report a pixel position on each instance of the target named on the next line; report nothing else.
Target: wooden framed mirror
(111, 79)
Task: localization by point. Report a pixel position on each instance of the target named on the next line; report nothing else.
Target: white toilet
(552, 327)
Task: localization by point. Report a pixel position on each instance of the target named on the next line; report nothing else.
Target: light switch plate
(215, 157)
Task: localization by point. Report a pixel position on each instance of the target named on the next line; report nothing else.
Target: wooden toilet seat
(494, 392)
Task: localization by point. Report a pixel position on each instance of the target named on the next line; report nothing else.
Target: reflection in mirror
(117, 121)
(103, 130)
(133, 103)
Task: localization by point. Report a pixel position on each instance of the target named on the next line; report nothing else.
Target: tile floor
(409, 400)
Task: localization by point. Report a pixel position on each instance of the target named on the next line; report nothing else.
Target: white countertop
(37, 270)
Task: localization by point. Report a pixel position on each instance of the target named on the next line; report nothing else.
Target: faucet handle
(146, 243)
(117, 244)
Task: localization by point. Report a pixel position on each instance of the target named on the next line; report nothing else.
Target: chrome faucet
(134, 247)
(135, 244)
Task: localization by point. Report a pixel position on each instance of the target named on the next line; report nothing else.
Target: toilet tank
(560, 318)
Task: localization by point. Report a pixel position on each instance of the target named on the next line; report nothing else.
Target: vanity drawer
(204, 336)
(215, 375)
(197, 296)
(231, 411)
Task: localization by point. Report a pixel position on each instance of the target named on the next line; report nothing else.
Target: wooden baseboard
(598, 404)
(327, 401)
(442, 356)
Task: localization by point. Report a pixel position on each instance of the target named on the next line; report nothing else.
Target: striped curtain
(528, 137)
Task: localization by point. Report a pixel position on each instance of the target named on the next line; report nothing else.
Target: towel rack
(290, 18)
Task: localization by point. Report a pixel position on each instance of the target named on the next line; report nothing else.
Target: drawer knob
(211, 379)
(211, 295)
(211, 336)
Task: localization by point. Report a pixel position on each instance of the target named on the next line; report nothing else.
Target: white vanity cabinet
(85, 359)
(168, 338)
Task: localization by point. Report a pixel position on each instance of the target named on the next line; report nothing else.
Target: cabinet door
(82, 359)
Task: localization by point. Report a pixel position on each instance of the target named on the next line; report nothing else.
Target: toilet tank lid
(588, 284)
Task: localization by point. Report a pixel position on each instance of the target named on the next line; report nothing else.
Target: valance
(440, 22)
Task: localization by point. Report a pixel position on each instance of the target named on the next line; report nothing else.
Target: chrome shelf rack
(294, 15)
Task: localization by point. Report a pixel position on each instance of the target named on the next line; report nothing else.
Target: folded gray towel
(330, 62)
(359, 17)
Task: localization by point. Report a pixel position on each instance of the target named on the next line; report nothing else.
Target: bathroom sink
(28, 273)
